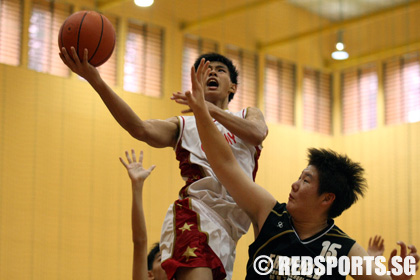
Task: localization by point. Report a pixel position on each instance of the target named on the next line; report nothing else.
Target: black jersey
(278, 238)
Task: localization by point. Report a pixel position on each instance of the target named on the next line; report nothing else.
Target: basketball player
(203, 226)
(304, 225)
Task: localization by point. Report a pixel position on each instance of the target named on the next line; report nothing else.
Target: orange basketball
(90, 30)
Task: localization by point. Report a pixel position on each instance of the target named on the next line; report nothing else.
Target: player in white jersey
(218, 215)
(221, 86)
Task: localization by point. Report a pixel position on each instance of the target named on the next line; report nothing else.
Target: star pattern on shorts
(186, 227)
(189, 253)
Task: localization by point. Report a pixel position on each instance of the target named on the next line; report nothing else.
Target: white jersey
(193, 161)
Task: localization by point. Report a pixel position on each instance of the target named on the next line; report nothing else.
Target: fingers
(403, 248)
(128, 157)
(180, 98)
(123, 162)
(133, 155)
(413, 252)
(392, 255)
(132, 158)
(140, 157)
(381, 243)
(178, 95)
(85, 56)
(65, 57)
(370, 242)
(186, 111)
(151, 168)
(412, 248)
(74, 55)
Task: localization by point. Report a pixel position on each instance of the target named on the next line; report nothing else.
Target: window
(143, 59)
(247, 66)
(193, 48)
(316, 92)
(402, 89)
(46, 20)
(279, 91)
(359, 92)
(10, 31)
(108, 70)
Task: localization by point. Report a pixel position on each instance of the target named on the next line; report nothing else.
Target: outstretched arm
(137, 175)
(253, 199)
(156, 133)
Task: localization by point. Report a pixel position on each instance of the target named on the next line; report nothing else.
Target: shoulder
(357, 250)
(252, 112)
(338, 233)
(174, 120)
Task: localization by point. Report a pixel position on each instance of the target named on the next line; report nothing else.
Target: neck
(306, 229)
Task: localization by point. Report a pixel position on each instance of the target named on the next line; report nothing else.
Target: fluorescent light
(340, 55)
(144, 3)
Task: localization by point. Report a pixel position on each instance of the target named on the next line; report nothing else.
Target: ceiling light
(144, 3)
(340, 53)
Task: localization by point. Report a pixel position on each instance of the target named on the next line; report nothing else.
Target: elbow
(136, 132)
(257, 138)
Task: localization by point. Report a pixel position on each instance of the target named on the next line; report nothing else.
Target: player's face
(157, 270)
(218, 83)
(304, 199)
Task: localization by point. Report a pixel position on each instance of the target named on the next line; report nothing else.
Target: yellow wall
(65, 199)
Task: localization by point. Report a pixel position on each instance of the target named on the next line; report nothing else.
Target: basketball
(88, 30)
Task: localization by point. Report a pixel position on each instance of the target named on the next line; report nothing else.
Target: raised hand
(195, 98)
(376, 246)
(413, 265)
(135, 168)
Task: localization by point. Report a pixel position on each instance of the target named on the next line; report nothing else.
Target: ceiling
(288, 28)
(337, 10)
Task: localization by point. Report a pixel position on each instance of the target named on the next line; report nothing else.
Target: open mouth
(212, 84)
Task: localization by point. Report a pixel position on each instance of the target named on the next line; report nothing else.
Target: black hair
(233, 72)
(152, 255)
(339, 175)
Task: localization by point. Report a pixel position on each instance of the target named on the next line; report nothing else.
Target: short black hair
(233, 72)
(339, 175)
(152, 255)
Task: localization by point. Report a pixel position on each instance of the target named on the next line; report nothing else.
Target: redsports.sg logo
(318, 266)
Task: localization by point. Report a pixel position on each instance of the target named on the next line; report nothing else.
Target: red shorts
(191, 244)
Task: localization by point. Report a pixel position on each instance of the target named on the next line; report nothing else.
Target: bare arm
(156, 133)
(252, 129)
(137, 175)
(253, 199)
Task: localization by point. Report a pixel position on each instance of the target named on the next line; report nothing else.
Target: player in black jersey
(286, 233)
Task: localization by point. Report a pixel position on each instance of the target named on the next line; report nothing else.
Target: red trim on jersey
(256, 157)
(191, 247)
(192, 172)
